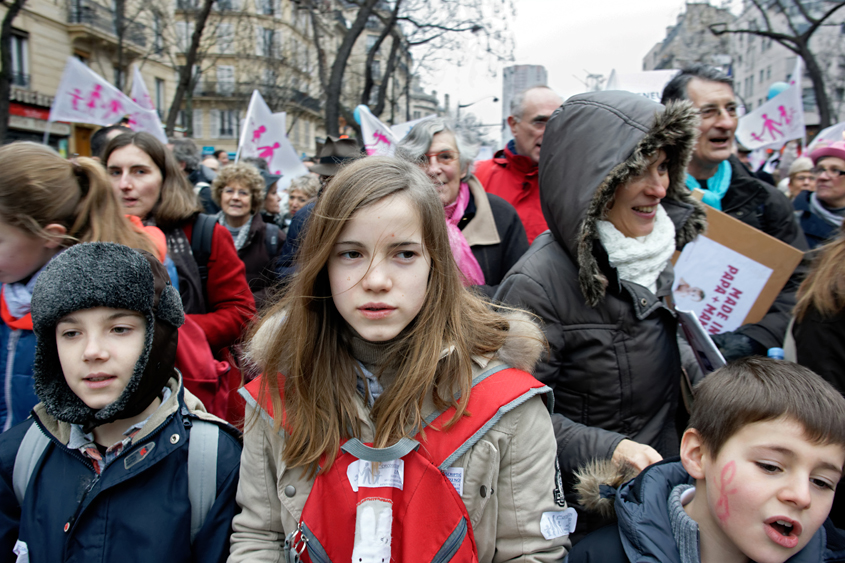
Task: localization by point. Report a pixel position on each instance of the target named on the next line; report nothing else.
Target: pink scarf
(464, 257)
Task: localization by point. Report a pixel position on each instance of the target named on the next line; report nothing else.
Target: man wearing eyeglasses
(821, 212)
(512, 173)
(730, 187)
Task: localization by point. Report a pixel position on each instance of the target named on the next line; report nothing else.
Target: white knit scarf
(640, 260)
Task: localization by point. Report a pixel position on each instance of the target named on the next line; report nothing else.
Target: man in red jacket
(512, 173)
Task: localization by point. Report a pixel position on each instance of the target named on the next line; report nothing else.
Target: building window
(762, 73)
(225, 39)
(417, 115)
(371, 40)
(160, 97)
(224, 5)
(184, 33)
(840, 94)
(228, 122)
(158, 34)
(20, 60)
(225, 80)
(808, 96)
(376, 70)
(769, 72)
(187, 4)
(265, 7)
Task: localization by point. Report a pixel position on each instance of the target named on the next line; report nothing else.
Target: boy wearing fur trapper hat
(118, 462)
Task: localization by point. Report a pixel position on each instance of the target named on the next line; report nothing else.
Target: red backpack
(404, 499)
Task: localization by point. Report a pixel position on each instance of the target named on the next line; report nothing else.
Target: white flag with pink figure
(378, 137)
(779, 120)
(84, 96)
(264, 136)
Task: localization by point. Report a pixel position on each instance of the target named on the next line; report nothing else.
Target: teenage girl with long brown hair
(373, 337)
(47, 203)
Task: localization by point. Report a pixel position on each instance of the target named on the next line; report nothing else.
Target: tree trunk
(187, 72)
(120, 31)
(335, 85)
(816, 75)
(6, 61)
(388, 73)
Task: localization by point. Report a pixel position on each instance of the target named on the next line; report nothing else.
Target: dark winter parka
(643, 530)
(613, 363)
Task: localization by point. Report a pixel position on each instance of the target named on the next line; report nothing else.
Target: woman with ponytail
(47, 204)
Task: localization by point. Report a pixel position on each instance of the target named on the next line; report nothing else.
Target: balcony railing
(20, 79)
(271, 92)
(102, 18)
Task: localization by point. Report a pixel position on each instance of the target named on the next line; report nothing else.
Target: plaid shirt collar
(86, 445)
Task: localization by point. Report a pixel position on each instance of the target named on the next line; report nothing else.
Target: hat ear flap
(170, 307)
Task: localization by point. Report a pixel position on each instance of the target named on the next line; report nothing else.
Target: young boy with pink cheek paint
(759, 465)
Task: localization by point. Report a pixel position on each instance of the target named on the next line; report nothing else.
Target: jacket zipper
(10, 365)
(68, 527)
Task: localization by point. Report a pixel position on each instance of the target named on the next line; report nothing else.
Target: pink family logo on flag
(777, 121)
(378, 137)
(84, 96)
(264, 136)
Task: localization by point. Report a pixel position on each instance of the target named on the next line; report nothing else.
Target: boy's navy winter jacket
(137, 510)
(16, 356)
(643, 532)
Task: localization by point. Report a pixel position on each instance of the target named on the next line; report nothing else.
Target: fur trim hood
(596, 142)
(100, 274)
(596, 485)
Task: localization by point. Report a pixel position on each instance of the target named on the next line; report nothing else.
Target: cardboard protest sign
(731, 276)
(718, 284)
(84, 96)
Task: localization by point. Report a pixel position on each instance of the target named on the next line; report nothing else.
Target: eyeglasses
(804, 178)
(711, 112)
(833, 172)
(233, 191)
(443, 157)
(539, 122)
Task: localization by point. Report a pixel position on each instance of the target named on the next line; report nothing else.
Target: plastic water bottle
(776, 353)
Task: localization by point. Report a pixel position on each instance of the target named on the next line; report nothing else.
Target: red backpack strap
(495, 392)
(251, 391)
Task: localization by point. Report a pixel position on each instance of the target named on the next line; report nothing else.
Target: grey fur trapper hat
(103, 274)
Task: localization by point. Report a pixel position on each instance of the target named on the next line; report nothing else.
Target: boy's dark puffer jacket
(137, 514)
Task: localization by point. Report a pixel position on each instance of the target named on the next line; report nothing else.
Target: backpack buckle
(295, 544)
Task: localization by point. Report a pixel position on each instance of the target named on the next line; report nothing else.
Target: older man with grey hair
(512, 172)
(729, 187)
(189, 157)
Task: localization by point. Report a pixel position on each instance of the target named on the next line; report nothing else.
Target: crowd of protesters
(429, 357)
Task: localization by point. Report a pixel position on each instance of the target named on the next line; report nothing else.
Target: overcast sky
(567, 37)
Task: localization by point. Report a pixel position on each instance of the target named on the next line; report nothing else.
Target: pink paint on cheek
(723, 509)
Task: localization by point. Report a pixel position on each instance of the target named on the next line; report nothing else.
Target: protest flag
(263, 136)
(84, 96)
(777, 121)
(378, 138)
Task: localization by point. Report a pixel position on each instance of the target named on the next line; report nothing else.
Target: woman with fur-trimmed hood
(612, 191)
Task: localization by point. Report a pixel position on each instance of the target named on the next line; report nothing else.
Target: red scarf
(23, 323)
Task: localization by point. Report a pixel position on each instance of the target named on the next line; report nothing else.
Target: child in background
(47, 203)
(760, 462)
(374, 337)
(118, 462)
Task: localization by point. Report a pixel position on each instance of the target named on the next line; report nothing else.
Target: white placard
(718, 284)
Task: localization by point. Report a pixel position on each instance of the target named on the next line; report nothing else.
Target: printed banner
(779, 120)
(378, 138)
(649, 83)
(718, 284)
(84, 96)
(263, 136)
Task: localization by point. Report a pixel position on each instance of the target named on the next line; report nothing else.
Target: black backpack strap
(201, 238)
(271, 239)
